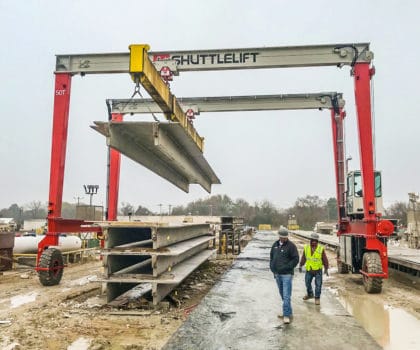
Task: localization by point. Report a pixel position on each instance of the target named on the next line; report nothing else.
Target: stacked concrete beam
(159, 256)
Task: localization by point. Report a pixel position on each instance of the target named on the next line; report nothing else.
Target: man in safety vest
(314, 259)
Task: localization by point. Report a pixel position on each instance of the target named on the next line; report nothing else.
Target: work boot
(307, 297)
(286, 319)
(281, 316)
(317, 301)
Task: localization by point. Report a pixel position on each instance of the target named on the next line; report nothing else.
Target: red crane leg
(339, 161)
(362, 74)
(58, 157)
(114, 176)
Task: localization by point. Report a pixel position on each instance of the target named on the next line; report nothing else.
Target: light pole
(78, 199)
(91, 190)
(160, 209)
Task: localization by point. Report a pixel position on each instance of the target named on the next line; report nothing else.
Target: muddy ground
(73, 316)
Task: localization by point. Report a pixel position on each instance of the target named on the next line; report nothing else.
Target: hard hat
(283, 232)
(315, 236)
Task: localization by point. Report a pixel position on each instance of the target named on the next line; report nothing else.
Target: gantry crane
(362, 236)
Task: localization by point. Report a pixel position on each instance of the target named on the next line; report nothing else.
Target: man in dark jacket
(284, 257)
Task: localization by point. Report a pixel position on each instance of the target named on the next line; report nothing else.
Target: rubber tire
(342, 268)
(371, 263)
(52, 259)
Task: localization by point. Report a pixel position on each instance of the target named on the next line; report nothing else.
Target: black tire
(371, 263)
(342, 267)
(52, 260)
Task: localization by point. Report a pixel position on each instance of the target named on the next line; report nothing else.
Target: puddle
(22, 299)
(79, 344)
(392, 328)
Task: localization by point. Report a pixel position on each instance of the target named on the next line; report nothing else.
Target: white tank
(29, 244)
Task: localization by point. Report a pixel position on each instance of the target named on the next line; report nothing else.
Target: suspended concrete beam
(235, 103)
(163, 148)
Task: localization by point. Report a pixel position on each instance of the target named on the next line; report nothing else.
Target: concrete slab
(240, 312)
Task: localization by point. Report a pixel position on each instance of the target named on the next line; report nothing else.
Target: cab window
(378, 185)
(350, 185)
(358, 185)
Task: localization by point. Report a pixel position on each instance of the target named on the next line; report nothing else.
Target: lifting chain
(137, 87)
(137, 92)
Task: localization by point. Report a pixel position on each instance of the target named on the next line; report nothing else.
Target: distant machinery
(413, 229)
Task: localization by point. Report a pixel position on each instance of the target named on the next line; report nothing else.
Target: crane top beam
(222, 59)
(329, 100)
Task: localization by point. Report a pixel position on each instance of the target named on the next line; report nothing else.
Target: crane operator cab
(355, 194)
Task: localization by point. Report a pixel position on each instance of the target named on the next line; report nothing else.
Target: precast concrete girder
(320, 100)
(157, 260)
(175, 276)
(163, 148)
(171, 253)
(122, 233)
(172, 250)
(162, 285)
(160, 290)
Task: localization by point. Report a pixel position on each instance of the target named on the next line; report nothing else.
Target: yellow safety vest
(313, 262)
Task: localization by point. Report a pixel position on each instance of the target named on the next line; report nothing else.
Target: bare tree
(35, 207)
(398, 210)
(126, 209)
(142, 211)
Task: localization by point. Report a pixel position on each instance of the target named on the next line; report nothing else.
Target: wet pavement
(240, 312)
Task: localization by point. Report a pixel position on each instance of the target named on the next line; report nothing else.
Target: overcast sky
(278, 156)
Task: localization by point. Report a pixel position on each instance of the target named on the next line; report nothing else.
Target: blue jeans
(284, 283)
(309, 276)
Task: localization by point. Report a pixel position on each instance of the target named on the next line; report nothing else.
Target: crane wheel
(371, 263)
(342, 267)
(52, 260)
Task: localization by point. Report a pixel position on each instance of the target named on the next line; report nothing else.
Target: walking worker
(314, 259)
(284, 257)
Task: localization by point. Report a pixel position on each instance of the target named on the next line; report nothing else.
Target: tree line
(307, 210)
